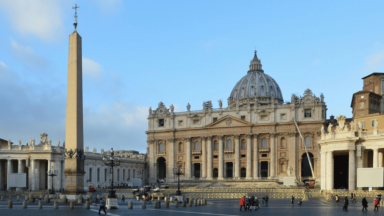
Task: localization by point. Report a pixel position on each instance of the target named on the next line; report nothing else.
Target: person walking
(345, 207)
(252, 203)
(376, 203)
(292, 200)
(257, 205)
(364, 202)
(102, 205)
(300, 202)
(266, 200)
(246, 203)
(242, 203)
(354, 198)
(337, 199)
(263, 199)
(122, 198)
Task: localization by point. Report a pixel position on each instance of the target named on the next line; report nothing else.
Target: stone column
(380, 159)
(237, 156)
(9, 171)
(249, 157)
(49, 168)
(209, 165)
(221, 157)
(375, 158)
(323, 170)
(330, 169)
(188, 159)
(273, 155)
(204, 158)
(1, 175)
(152, 170)
(255, 157)
(352, 170)
(58, 168)
(33, 174)
(171, 158)
(292, 154)
(19, 170)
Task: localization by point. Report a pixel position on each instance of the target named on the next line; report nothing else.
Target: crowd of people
(249, 203)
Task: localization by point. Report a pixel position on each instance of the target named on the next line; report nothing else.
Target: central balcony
(264, 150)
(229, 151)
(196, 152)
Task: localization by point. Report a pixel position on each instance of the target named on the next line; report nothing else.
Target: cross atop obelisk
(75, 22)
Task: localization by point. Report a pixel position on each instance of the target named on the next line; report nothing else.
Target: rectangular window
(363, 124)
(214, 119)
(118, 175)
(133, 174)
(196, 121)
(105, 175)
(264, 155)
(263, 117)
(161, 122)
(196, 157)
(243, 118)
(123, 174)
(361, 105)
(307, 113)
(243, 145)
(90, 175)
(180, 122)
(129, 174)
(243, 156)
(215, 156)
(283, 116)
(215, 147)
(98, 174)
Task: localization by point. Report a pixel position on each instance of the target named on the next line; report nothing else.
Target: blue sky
(138, 53)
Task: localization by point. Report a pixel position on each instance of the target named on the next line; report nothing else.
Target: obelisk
(74, 139)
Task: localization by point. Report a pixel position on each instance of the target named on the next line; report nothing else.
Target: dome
(255, 86)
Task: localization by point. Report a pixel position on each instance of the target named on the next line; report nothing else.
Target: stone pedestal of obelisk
(74, 139)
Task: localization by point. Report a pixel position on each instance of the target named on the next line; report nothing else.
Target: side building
(35, 159)
(359, 143)
(254, 137)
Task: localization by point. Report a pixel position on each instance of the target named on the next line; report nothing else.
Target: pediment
(228, 121)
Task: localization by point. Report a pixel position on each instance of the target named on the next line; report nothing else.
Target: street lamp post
(52, 173)
(178, 171)
(111, 161)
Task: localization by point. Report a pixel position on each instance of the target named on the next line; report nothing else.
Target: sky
(138, 53)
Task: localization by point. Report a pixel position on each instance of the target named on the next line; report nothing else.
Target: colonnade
(34, 173)
(354, 162)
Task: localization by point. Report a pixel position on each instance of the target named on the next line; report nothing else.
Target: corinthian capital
(171, 139)
(187, 139)
(236, 136)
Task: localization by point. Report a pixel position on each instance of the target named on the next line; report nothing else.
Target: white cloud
(28, 57)
(375, 62)
(91, 68)
(110, 7)
(42, 18)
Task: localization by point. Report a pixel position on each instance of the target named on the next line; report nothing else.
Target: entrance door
(197, 170)
(215, 173)
(264, 169)
(341, 164)
(229, 169)
(161, 168)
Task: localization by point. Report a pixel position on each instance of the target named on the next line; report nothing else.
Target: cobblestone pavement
(316, 206)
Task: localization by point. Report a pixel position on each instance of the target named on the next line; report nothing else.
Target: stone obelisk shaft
(74, 122)
(74, 139)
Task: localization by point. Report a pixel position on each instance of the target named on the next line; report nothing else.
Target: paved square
(316, 206)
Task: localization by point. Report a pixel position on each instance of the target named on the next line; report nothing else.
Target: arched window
(229, 144)
(197, 145)
(243, 145)
(215, 146)
(282, 143)
(307, 141)
(180, 147)
(161, 147)
(264, 143)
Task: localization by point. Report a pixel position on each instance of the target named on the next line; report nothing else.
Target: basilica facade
(254, 137)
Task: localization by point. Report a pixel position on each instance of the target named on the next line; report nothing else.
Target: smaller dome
(255, 86)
